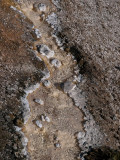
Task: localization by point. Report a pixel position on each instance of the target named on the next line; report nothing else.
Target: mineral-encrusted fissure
(55, 61)
(91, 137)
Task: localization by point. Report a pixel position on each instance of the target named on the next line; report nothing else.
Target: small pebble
(39, 101)
(42, 7)
(24, 151)
(57, 145)
(17, 128)
(45, 51)
(37, 32)
(42, 118)
(38, 123)
(55, 63)
(47, 83)
(39, 7)
(55, 138)
(67, 86)
(46, 74)
(47, 119)
(78, 78)
(42, 17)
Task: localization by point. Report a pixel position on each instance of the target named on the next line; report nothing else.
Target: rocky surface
(59, 77)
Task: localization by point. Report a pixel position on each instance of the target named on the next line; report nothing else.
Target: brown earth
(18, 69)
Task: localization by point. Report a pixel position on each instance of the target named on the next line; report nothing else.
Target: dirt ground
(61, 107)
(92, 28)
(65, 117)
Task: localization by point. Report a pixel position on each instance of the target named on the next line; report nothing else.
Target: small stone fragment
(46, 74)
(47, 119)
(37, 32)
(38, 123)
(42, 17)
(55, 63)
(39, 7)
(17, 129)
(42, 118)
(45, 50)
(39, 101)
(78, 78)
(56, 3)
(47, 83)
(57, 145)
(42, 7)
(67, 86)
(59, 40)
(55, 138)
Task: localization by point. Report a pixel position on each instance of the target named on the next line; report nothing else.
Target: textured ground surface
(65, 117)
(93, 29)
(18, 69)
(90, 30)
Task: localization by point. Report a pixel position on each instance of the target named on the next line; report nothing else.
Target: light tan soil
(66, 119)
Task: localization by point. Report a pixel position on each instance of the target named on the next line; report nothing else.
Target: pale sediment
(47, 53)
(91, 137)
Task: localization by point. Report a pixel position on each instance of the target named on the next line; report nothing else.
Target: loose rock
(55, 62)
(45, 50)
(47, 119)
(46, 74)
(37, 32)
(67, 86)
(42, 7)
(42, 118)
(38, 123)
(39, 7)
(57, 145)
(39, 101)
(47, 83)
(78, 78)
